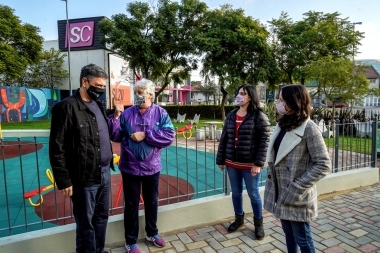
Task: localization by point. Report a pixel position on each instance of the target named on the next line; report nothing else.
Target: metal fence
(30, 201)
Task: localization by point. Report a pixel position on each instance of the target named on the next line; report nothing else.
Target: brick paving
(347, 222)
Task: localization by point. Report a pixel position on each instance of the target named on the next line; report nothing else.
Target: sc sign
(81, 34)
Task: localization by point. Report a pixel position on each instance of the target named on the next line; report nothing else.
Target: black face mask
(94, 92)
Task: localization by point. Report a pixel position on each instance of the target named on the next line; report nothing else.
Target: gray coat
(302, 160)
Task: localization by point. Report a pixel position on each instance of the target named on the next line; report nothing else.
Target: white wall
(78, 59)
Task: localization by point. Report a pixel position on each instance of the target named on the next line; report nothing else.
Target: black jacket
(252, 141)
(74, 144)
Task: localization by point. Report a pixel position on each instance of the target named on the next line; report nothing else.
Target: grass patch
(200, 124)
(354, 144)
(38, 124)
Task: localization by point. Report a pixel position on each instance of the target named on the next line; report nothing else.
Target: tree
(48, 71)
(208, 89)
(339, 79)
(297, 44)
(19, 45)
(235, 49)
(157, 39)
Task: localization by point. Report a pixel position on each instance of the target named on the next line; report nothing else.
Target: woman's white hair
(146, 85)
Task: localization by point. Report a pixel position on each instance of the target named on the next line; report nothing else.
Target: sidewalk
(347, 222)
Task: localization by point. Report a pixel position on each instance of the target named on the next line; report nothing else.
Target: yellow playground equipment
(185, 131)
(29, 195)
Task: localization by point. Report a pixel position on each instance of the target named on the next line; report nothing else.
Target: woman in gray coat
(297, 158)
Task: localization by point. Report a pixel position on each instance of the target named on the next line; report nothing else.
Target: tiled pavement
(347, 222)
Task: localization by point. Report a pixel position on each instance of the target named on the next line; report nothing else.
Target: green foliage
(208, 89)
(46, 72)
(19, 45)
(343, 115)
(339, 78)
(297, 44)
(235, 49)
(158, 40)
(271, 111)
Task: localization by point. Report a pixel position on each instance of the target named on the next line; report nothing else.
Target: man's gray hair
(146, 85)
(91, 71)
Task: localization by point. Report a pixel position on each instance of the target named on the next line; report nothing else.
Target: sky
(45, 13)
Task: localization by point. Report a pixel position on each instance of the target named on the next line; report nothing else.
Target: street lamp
(68, 43)
(353, 46)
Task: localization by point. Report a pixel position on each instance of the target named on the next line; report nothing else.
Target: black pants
(132, 186)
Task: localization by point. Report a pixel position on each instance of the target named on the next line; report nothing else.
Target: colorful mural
(18, 104)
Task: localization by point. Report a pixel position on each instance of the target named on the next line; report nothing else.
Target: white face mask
(280, 106)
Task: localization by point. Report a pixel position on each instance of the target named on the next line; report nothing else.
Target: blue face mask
(139, 100)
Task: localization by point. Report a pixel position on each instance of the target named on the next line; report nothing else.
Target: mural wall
(18, 104)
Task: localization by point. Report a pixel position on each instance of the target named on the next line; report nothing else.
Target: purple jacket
(142, 158)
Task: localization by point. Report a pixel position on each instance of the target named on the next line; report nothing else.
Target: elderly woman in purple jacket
(143, 130)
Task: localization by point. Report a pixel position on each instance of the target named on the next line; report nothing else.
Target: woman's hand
(119, 108)
(221, 167)
(138, 136)
(255, 170)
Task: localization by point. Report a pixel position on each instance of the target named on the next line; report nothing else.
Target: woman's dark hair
(298, 99)
(254, 104)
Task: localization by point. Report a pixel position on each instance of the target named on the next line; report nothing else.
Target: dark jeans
(298, 234)
(132, 186)
(90, 208)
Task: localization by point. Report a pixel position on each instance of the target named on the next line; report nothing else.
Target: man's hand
(68, 191)
(119, 108)
(138, 136)
(221, 167)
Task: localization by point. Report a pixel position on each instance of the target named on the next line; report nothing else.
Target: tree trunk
(290, 80)
(224, 99)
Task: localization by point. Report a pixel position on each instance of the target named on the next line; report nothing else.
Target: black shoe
(239, 221)
(259, 228)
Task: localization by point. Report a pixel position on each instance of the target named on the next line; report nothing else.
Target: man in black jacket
(81, 155)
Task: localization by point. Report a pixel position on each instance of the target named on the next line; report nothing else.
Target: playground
(30, 201)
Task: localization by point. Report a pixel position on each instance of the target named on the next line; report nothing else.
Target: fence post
(336, 160)
(374, 142)
(227, 190)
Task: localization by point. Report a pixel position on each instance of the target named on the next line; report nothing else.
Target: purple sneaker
(132, 248)
(156, 240)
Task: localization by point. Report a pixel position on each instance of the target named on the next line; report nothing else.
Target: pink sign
(81, 34)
